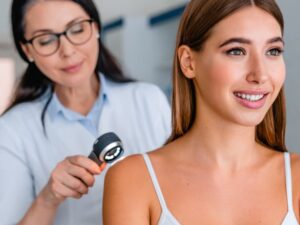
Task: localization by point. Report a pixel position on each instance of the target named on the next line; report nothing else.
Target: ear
(187, 61)
(96, 29)
(26, 50)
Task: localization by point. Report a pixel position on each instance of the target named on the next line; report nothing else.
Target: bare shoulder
(126, 189)
(127, 173)
(128, 167)
(295, 164)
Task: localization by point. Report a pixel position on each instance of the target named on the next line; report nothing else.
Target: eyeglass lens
(77, 34)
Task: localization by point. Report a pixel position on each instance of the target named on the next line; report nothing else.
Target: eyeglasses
(47, 44)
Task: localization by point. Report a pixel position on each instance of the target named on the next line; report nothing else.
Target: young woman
(72, 92)
(226, 161)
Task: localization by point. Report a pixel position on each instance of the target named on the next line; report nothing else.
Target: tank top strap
(155, 182)
(288, 180)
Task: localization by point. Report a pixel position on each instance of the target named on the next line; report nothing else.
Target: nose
(66, 48)
(257, 72)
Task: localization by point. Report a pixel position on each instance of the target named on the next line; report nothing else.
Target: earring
(97, 35)
(31, 60)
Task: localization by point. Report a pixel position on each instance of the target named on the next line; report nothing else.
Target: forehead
(54, 14)
(249, 22)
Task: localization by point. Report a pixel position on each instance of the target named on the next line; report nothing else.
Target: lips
(73, 68)
(251, 99)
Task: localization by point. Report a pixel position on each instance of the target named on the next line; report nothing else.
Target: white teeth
(248, 97)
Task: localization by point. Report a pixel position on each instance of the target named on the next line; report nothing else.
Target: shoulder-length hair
(198, 19)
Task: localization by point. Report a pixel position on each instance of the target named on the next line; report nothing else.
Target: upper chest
(252, 198)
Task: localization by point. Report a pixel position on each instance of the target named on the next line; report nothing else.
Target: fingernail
(102, 167)
(98, 169)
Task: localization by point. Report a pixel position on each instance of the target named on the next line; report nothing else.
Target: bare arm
(71, 178)
(295, 164)
(126, 199)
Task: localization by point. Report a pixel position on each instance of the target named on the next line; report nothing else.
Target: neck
(222, 144)
(79, 99)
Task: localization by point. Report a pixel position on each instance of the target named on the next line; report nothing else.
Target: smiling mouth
(250, 97)
(72, 68)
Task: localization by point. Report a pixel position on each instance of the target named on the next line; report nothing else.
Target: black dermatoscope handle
(107, 148)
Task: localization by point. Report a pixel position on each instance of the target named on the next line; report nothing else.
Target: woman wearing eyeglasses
(71, 92)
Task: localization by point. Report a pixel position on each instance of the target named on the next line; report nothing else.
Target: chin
(77, 80)
(250, 121)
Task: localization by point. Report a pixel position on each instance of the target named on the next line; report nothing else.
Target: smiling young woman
(226, 160)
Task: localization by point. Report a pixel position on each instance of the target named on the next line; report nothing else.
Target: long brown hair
(195, 28)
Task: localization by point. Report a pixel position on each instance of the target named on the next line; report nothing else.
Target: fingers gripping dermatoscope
(107, 148)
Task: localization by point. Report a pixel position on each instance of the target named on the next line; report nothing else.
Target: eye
(45, 40)
(236, 52)
(76, 29)
(275, 52)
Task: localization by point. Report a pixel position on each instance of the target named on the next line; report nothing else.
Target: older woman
(72, 91)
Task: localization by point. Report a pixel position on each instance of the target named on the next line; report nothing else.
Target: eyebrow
(51, 31)
(247, 41)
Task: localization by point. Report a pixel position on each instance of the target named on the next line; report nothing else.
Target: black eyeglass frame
(58, 35)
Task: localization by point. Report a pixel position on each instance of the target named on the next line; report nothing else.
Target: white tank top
(166, 217)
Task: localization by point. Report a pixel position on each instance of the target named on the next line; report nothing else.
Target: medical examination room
(149, 112)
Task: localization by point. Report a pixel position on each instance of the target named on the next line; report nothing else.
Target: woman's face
(240, 70)
(71, 65)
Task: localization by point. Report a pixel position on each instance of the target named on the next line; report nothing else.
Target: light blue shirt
(90, 122)
(137, 112)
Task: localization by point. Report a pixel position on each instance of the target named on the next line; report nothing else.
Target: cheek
(91, 51)
(278, 74)
(220, 75)
(47, 66)
(282, 74)
(95, 51)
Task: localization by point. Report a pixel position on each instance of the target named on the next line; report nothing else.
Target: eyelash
(279, 51)
(231, 51)
(241, 51)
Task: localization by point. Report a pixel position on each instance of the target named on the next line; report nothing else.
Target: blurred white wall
(144, 51)
(112, 9)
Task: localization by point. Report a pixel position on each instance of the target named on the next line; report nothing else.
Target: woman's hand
(71, 178)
